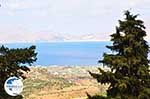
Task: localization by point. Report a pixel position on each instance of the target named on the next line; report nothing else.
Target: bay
(66, 53)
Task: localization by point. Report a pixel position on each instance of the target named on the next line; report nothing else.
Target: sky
(65, 20)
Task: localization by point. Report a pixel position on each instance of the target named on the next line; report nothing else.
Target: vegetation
(129, 77)
(67, 83)
(34, 85)
(13, 62)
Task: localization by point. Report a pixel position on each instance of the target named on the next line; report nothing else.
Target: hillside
(61, 83)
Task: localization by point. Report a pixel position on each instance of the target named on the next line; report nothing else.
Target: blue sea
(66, 53)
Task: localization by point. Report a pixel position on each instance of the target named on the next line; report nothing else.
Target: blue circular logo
(13, 86)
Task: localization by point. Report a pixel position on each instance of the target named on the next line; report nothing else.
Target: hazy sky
(57, 20)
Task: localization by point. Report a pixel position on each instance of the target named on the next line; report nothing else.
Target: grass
(33, 85)
(42, 82)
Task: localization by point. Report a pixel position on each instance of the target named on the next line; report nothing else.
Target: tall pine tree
(129, 77)
(13, 63)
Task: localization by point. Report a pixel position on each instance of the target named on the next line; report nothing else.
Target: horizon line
(69, 41)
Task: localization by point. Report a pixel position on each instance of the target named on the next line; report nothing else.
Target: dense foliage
(13, 62)
(129, 77)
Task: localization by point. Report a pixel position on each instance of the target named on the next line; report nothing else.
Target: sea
(66, 53)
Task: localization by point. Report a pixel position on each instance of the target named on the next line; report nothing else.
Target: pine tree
(129, 75)
(13, 62)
